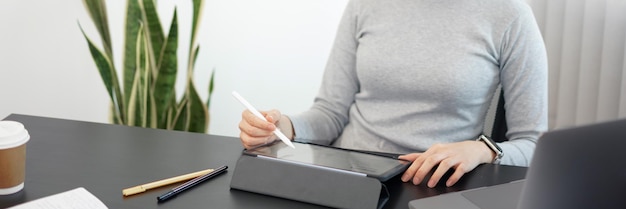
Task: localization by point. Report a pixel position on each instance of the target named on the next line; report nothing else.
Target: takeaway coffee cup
(13, 138)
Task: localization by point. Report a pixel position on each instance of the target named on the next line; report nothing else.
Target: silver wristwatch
(493, 146)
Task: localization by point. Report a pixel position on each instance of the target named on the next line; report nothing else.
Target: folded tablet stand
(308, 183)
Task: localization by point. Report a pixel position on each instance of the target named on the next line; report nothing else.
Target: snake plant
(146, 95)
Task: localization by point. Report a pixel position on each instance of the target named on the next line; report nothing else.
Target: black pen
(191, 183)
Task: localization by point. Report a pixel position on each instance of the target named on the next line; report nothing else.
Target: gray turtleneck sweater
(406, 74)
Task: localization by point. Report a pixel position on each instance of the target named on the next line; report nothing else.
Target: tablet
(372, 165)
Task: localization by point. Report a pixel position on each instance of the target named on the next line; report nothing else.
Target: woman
(417, 77)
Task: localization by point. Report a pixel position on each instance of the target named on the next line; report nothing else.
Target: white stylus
(258, 114)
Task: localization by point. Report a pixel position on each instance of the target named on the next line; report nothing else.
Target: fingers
(459, 157)
(409, 157)
(272, 116)
(410, 172)
(249, 142)
(252, 122)
(456, 176)
(441, 170)
(256, 131)
(425, 163)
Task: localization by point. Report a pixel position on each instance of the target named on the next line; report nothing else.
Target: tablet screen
(376, 166)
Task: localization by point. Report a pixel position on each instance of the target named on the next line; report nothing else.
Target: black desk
(104, 158)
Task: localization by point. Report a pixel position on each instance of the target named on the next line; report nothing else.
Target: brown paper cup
(13, 138)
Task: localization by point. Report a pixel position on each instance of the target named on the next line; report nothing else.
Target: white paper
(78, 198)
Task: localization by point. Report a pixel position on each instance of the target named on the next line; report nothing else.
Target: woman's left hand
(461, 156)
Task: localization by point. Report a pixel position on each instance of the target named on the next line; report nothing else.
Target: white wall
(273, 52)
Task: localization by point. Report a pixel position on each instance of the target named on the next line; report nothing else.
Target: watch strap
(493, 146)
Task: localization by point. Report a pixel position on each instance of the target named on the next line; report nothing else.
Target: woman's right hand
(256, 131)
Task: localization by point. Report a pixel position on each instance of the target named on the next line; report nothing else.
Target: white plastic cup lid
(12, 134)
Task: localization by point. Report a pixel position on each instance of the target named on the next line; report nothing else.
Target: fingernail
(431, 184)
(405, 178)
(416, 181)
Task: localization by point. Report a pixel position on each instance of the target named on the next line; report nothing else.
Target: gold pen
(160, 183)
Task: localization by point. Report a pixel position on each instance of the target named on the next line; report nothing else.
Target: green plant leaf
(192, 60)
(197, 13)
(136, 116)
(145, 96)
(144, 65)
(166, 78)
(133, 22)
(208, 100)
(197, 113)
(147, 100)
(109, 77)
(152, 113)
(98, 12)
(171, 113)
(180, 116)
(153, 27)
(192, 115)
(211, 85)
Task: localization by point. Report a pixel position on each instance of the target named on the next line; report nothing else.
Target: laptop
(581, 167)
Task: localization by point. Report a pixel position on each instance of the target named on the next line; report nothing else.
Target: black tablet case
(307, 183)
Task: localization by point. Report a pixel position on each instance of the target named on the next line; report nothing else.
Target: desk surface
(104, 158)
